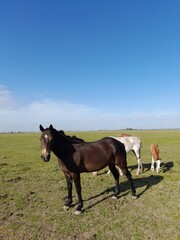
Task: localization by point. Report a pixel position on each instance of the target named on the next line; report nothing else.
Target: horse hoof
(114, 197)
(65, 207)
(77, 212)
(134, 197)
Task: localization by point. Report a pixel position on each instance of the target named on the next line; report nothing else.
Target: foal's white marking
(158, 165)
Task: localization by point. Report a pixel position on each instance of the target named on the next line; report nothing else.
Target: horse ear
(41, 128)
(51, 127)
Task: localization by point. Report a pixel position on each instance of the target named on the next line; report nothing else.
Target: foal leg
(115, 173)
(152, 164)
(128, 175)
(68, 203)
(77, 182)
(158, 163)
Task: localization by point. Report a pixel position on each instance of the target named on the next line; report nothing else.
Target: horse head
(46, 141)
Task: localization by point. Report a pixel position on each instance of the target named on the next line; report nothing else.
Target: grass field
(32, 193)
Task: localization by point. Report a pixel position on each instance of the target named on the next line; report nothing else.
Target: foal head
(46, 140)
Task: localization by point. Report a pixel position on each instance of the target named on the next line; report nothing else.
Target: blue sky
(89, 65)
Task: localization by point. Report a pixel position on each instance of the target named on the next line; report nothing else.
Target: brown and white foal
(155, 157)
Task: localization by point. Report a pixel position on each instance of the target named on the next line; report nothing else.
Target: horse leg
(77, 182)
(68, 203)
(140, 164)
(158, 164)
(152, 164)
(120, 172)
(128, 175)
(115, 173)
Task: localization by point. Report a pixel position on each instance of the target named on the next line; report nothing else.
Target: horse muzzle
(45, 158)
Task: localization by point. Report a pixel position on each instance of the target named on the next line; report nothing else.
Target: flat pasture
(32, 193)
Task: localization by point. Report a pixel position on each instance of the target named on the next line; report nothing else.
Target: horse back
(130, 143)
(155, 151)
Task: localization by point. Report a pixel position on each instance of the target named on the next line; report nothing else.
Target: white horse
(131, 144)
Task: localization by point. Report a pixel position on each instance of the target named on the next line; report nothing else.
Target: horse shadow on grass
(139, 182)
(165, 167)
(146, 182)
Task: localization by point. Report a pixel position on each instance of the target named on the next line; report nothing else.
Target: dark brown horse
(76, 156)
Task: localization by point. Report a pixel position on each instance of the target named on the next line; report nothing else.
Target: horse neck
(61, 146)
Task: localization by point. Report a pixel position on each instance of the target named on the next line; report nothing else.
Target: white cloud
(63, 115)
(70, 116)
(6, 99)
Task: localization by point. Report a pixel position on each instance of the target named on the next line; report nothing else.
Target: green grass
(32, 193)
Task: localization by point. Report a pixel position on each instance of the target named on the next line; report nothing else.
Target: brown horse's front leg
(77, 182)
(68, 203)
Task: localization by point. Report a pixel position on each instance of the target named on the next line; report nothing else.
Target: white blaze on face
(44, 150)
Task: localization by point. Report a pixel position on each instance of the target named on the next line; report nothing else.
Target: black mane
(74, 139)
